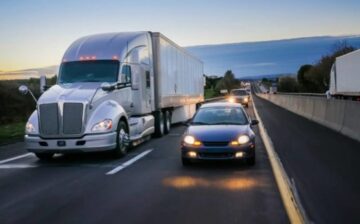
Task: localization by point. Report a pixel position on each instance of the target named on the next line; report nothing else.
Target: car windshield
(89, 71)
(219, 116)
(239, 92)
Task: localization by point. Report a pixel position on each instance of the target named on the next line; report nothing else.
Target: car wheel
(185, 162)
(251, 161)
(44, 156)
(167, 122)
(122, 140)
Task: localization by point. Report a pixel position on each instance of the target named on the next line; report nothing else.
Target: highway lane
(324, 164)
(154, 189)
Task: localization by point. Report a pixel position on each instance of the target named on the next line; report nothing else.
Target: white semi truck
(345, 76)
(114, 91)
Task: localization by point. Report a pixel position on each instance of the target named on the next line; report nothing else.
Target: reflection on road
(232, 184)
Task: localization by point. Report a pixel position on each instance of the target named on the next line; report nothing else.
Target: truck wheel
(167, 122)
(122, 140)
(159, 124)
(44, 156)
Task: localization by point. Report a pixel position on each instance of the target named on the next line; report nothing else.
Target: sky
(36, 33)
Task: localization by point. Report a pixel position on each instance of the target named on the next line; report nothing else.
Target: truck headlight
(29, 128)
(243, 139)
(104, 125)
(246, 99)
(190, 140)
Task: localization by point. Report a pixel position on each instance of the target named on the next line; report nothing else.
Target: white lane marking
(15, 158)
(129, 162)
(17, 166)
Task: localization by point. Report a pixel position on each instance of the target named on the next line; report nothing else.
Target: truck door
(123, 94)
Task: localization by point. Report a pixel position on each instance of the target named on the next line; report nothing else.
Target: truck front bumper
(88, 143)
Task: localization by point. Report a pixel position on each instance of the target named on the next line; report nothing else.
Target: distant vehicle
(345, 76)
(273, 90)
(113, 91)
(239, 96)
(219, 131)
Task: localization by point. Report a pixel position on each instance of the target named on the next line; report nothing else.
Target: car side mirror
(254, 122)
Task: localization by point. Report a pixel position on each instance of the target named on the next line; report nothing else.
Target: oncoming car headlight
(190, 140)
(243, 139)
(231, 100)
(29, 128)
(102, 125)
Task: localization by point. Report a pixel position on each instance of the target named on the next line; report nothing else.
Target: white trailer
(113, 90)
(345, 76)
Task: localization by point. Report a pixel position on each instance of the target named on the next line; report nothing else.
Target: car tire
(44, 156)
(122, 136)
(159, 124)
(251, 161)
(185, 162)
(167, 122)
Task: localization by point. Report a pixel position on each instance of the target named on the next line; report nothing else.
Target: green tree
(287, 84)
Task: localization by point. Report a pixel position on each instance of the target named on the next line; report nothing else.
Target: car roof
(221, 104)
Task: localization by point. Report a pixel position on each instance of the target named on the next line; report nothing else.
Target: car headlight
(29, 128)
(190, 140)
(102, 125)
(246, 99)
(231, 100)
(243, 139)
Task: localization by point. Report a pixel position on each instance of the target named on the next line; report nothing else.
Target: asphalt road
(153, 189)
(324, 164)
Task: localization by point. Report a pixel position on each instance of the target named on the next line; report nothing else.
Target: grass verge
(11, 132)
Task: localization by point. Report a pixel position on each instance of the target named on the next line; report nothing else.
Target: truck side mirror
(23, 89)
(107, 86)
(42, 83)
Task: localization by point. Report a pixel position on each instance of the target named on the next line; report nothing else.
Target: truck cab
(107, 96)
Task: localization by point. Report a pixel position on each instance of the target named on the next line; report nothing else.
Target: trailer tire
(159, 124)
(122, 136)
(167, 122)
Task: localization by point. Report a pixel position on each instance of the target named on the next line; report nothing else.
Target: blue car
(219, 131)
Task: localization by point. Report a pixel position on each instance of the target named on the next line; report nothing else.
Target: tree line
(314, 78)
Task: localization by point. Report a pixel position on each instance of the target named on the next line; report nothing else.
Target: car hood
(70, 92)
(217, 133)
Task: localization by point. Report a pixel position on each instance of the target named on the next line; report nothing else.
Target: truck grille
(73, 114)
(51, 120)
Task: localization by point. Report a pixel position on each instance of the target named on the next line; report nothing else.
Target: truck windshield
(89, 71)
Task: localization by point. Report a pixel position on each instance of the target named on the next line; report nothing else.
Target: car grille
(216, 155)
(50, 119)
(215, 143)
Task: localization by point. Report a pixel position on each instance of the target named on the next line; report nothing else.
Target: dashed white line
(15, 158)
(129, 162)
(17, 166)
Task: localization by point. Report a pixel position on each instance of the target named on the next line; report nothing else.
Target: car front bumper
(218, 153)
(88, 143)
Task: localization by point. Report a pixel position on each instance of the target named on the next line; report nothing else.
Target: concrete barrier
(340, 115)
